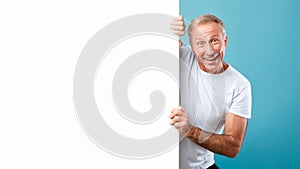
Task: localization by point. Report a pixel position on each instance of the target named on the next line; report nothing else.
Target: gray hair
(206, 19)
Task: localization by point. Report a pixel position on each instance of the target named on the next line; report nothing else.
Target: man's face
(209, 44)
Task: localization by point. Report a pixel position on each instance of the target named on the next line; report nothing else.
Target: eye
(215, 41)
(200, 44)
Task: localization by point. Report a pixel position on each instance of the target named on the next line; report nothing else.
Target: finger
(172, 122)
(182, 111)
(180, 108)
(174, 109)
(178, 33)
(179, 119)
(178, 23)
(177, 27)
(176, 119)
(180, 17)
(179, 125)
(174, 112)
(172, 115)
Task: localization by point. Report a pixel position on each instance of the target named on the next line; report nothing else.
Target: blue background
(264, 46)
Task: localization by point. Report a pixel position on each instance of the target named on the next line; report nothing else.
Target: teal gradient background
(264, 46)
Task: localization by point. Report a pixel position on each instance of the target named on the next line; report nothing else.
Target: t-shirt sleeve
(242, 101)
(186, 56)
(184, 52)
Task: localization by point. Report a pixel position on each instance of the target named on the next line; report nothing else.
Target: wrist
(194, 133)
(197, 135)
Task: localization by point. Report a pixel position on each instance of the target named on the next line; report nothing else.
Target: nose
(210, 51)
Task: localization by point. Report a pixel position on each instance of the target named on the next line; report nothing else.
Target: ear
(226, 41)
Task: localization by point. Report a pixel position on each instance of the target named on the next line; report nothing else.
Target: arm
(178, 27)
(228, 144)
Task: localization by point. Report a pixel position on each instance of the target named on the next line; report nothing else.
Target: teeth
(213, 58)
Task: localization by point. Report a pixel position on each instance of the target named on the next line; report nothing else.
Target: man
(213, 95)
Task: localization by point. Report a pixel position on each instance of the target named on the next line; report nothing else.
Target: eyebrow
(215, 36)
(204, 38)
(200, 38)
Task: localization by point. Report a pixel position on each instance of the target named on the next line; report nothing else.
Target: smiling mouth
(212, 59)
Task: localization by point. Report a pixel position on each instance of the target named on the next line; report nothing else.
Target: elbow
(233, 152)
(234, 148)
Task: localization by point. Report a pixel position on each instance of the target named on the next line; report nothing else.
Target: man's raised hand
(178, 26)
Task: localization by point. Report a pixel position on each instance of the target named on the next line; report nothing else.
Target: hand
(180, 119)
(178, 26)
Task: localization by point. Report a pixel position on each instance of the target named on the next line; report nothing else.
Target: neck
(221, 68)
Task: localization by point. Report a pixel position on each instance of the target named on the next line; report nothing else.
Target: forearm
(218, 143)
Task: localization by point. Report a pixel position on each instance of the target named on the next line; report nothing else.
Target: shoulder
(241, 97)
(237, 78)
(186, 55)
(186, 50)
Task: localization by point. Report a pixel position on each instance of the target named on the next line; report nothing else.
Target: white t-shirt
(208, 98)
